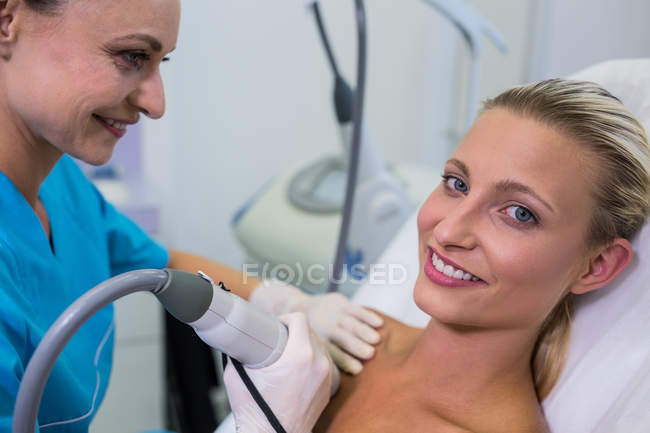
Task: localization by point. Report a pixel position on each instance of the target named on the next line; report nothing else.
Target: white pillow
(395, 297)
(605, 386)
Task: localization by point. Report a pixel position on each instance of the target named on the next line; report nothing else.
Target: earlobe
(605, 266)
(7, 24)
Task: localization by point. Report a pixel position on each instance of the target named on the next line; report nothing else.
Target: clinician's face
(509, 219)
(71, 77)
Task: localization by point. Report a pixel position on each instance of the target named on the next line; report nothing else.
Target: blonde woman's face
(71, 77)
(502, 238)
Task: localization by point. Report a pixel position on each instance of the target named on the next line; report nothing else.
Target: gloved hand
(297, 386)
(348, 327)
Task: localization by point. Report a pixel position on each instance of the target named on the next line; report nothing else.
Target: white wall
(249, 95)
(572, 35)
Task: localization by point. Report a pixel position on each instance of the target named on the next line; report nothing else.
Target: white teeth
(450, 271)
(115, 124)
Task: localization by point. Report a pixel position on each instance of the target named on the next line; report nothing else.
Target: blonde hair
(618, 145)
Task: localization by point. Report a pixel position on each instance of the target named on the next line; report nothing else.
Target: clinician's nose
(149, 96)
(458, 227)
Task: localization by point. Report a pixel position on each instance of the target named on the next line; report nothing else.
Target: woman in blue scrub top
(73, 75)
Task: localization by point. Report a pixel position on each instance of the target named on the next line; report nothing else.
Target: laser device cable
(343, 94)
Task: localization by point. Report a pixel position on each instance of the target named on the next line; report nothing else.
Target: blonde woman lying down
(537, 205)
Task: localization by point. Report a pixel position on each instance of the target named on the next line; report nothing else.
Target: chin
(439, 307)
(95, 156)
(99, 160)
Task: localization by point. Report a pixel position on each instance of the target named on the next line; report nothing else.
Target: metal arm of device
(222, 320)
(472, 26)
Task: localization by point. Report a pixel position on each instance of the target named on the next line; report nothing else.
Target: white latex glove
(297, 386)
(347, 326)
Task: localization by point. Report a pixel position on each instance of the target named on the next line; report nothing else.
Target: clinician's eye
(521, 214)
(454, 183)
(135, 59)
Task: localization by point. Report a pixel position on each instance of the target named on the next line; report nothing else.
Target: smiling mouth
(111, 122)
(444, 272)
(444, 268)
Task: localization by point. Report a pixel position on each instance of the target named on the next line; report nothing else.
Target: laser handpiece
(223, 320)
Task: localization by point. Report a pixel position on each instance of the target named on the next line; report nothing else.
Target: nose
(149, 96)
(457, 227)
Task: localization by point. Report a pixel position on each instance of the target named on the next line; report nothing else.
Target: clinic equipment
(308, 204)
(472, 26)
(370, 188)
(220, 318)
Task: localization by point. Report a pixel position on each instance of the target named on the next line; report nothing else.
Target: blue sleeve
(13, 343)
(11, 372)
(129, 246)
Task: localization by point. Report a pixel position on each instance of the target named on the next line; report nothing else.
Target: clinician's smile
(115, 127)
(446, 273)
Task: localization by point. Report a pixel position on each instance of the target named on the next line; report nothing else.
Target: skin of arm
(240, 284)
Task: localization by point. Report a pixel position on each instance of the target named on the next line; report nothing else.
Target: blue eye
(520, 213)
(454, 183)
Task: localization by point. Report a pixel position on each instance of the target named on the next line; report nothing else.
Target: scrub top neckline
(26, 209)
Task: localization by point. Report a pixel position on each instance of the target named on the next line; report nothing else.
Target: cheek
(533, 276)
(56, 98)
(427, 218)
(430, 212)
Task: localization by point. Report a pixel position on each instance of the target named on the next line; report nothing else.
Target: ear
(604, 266)
(8, 10)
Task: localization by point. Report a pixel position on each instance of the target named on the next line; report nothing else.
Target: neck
(24, 159)
(487, 370)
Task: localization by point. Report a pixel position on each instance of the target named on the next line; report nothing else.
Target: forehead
(107, 19)
(506, 146)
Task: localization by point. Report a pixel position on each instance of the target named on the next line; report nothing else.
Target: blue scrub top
(91, 241)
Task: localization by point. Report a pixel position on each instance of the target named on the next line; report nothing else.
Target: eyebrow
(461, 166)
(514, 186)
(153, 42)
(504, 186)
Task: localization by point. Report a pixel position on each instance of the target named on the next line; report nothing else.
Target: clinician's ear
(8, 10)
(604, 266)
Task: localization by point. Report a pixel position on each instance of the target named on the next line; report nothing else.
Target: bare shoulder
(395, 335)
(359, 399)
(381, 398)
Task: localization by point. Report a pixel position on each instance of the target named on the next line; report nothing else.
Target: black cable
(355, 148)
(343, 95)
(270, 416)
(325, 40)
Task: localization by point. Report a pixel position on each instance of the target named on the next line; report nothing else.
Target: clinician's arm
(240, 284)
(348, 327)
